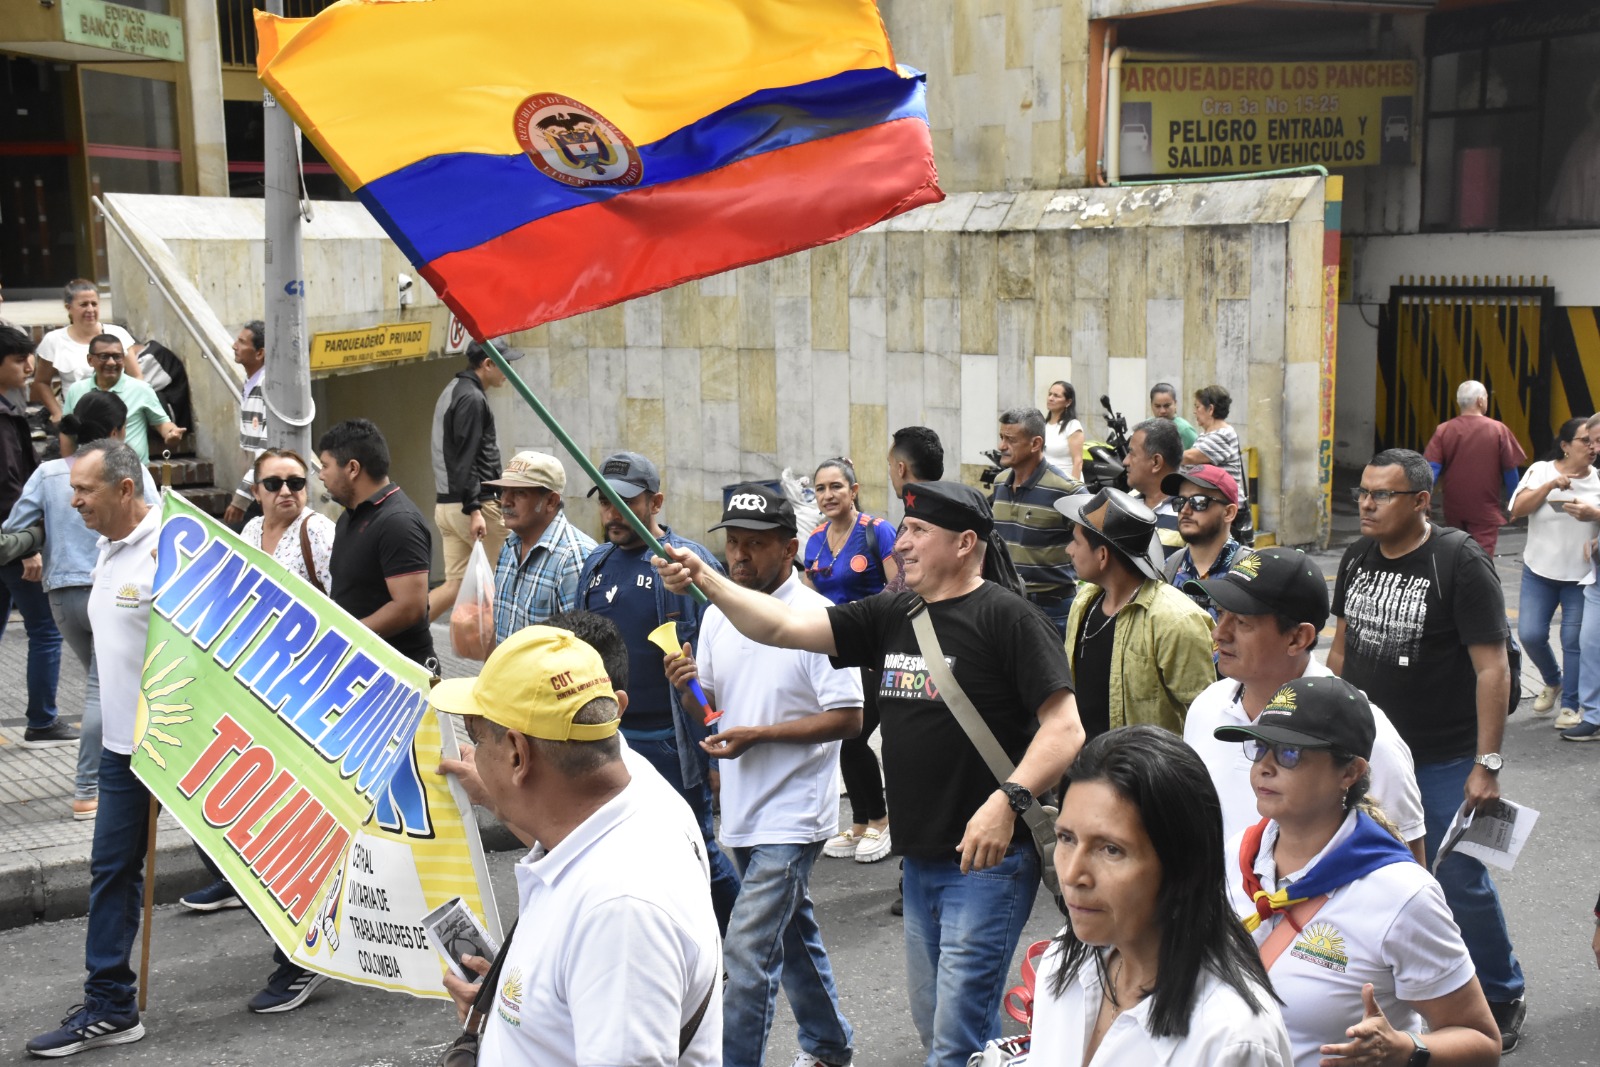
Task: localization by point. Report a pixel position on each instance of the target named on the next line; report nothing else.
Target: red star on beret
(911, 500)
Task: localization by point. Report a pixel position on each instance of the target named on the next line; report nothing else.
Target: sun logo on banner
(157, 707)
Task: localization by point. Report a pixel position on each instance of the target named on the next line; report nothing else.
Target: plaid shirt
(544, 583)
(1186, 571)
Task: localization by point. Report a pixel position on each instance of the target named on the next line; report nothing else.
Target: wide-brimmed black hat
(1126, 523)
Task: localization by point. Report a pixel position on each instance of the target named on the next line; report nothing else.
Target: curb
(51, 884)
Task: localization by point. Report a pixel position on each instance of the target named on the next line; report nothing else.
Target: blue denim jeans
(70, 606)
(1536, 606)
(961, 931)
(116, 886)
(1589, 652)
(1467, 887)
(773, 939)
(663, 756)
(44, 641)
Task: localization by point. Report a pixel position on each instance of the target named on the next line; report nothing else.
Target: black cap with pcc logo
(753, 506)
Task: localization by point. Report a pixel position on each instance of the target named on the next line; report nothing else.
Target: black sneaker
(214, 897)
(85, 1029)
(287, 989)
(57, 735)
(1508, 1016)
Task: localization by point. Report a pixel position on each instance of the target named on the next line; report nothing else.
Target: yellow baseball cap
(534, 683)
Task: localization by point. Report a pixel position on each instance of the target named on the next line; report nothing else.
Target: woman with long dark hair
(851, 557)
(1063, 433)
(1357, 936)
(1553, 563)
(1153, 966)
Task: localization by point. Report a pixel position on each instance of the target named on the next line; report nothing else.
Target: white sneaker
(1566, 719)
(842, 846)
(1546, 699)
(874, 846)
(806, 1059)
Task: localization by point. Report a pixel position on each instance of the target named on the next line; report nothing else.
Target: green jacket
(1160, 658)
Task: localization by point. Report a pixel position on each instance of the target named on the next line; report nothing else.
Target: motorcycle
(1103, 465)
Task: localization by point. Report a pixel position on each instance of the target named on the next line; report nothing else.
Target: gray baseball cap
(629, 474)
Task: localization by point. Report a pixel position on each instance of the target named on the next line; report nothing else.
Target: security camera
(404, 283)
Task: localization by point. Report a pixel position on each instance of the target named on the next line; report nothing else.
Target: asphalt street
(207, 966)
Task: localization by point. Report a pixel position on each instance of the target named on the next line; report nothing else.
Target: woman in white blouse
(1553, 563)
(1153, 966)
(64, 353)
(288, 530)
(1063, 433)
(1356, 935)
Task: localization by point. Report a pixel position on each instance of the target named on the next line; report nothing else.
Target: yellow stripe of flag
(380, 84)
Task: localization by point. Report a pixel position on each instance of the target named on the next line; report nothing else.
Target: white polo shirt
(1224, 1031)
(1391, 928)
(119, 616)
(776, 794)
(1394, 776)
(616, 947)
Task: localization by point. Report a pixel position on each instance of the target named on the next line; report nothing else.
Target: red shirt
(1475, 452)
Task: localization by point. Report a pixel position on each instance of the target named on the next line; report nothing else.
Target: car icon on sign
(1396, 128)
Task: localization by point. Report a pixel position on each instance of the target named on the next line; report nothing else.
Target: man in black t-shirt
(1422, 630)
(382, 549)
(961, 930)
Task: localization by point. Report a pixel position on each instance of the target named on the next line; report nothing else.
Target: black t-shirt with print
(1408, 623)
(1009, 660)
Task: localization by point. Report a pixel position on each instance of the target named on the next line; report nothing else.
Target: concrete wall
(1007, 88)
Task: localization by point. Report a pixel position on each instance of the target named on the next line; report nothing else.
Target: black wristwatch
(1420, 1056)
(1020, 797)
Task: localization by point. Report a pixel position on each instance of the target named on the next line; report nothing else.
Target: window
(1513, 118)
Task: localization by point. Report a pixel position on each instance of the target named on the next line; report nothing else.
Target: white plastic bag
(807, 515)
(472, 618)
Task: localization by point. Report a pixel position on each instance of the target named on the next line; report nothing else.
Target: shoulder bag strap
(692, 1027)
(982, 738)
(479, 1012)
(305, 554)
(1294, 920)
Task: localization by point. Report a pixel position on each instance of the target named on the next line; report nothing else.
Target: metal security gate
(1433, 337)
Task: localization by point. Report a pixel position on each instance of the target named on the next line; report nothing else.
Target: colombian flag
(540, 158)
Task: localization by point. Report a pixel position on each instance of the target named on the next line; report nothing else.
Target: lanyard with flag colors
(538, 158)
(1368, 848)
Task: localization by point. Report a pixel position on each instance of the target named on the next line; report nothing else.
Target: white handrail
(188, 320)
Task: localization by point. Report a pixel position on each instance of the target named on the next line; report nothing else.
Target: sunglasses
(274, 483)
(106, 357)
(1287, 756)
(1198, 502)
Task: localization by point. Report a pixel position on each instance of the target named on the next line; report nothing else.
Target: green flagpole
(583, 460)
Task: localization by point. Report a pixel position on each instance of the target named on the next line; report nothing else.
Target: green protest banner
(298, 749)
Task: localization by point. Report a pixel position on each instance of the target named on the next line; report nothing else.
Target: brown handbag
(305, 554)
